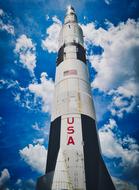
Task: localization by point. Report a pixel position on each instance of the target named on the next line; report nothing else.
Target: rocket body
(74, 159)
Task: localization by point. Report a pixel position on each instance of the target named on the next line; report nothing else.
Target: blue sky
(28, 45)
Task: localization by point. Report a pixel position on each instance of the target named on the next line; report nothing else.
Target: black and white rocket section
(74, 160)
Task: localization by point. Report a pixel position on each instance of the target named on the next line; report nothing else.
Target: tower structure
(74, 160)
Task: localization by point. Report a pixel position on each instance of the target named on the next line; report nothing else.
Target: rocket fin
(45, 182)
(54, 145)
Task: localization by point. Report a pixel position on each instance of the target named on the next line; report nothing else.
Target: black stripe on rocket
(96, 174)
(80, 52)
(54, 144)
(45, 182)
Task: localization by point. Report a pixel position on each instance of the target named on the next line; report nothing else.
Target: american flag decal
(70, 72)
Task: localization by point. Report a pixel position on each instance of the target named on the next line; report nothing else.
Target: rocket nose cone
(70, 9)
(70, 15)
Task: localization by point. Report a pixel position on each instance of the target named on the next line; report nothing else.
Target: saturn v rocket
(74, 160)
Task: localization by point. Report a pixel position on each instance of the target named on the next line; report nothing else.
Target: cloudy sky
(28, 48)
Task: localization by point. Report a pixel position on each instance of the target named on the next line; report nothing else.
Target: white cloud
(1, 12)
(50, 43)
(35, 157)
(38, 141)
(44, 90)
(121, 104)
(5, 24)
(44, 131)
(114, 146)
(118, 63)
(8, 84)
(36, 127)
(25, 99)
(26, 51)
(5, 176)
(117, 70)
(25, 184)
(18, 182)
(35, 97)
(21, 95)
(7, 27)
(17, 97)
(123, 185)
(108, 2)
(47, 17)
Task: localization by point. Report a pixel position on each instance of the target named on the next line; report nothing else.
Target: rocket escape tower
(74, 160)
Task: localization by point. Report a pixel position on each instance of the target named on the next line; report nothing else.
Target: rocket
(74, 160)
